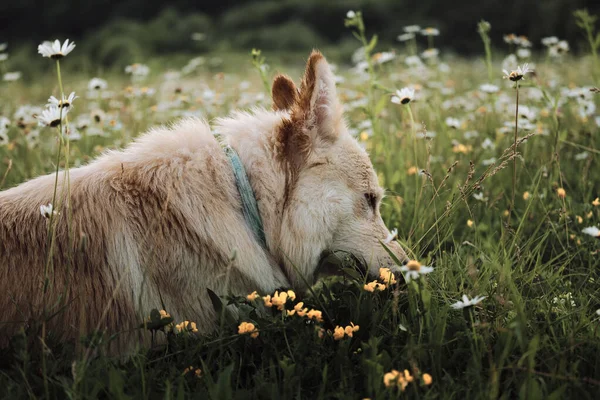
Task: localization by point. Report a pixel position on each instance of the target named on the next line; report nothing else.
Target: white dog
(172, 214)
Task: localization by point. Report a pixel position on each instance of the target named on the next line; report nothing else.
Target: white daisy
(403, 96)
(517, 74)
(453, 122)
(3, 56)
(3, 137)
(391, 236)
(413, 61)
(466, 302)
(66, 103)
(549, 41)
(592, 231)
(51, 116)
(413, 269)
(54, 50)
(97, 84)
(12, 76)
(351, 14)
(430, 53)
(523, 53)
(405, 36)
(412, 28)
(138, 70)
(430, 32)
(489, 88)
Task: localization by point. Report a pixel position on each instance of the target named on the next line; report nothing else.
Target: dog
(157, 223)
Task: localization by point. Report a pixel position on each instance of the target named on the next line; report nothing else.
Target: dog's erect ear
(315, 114)
(284, 93)
(317, 104)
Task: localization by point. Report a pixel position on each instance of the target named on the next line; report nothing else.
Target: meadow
(492, 179)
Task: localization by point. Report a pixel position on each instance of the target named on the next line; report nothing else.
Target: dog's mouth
(341, 262)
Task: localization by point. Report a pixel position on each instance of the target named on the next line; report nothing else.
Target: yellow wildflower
(164, 314)
(412, 170)
(350, 329)
(427, 379)
(560, 192)
(279, 299)
(387, 276)
(338, 333)
(248, 327)
(291, 294)
(391, 378)
(579, 219)
(372, 286)
(186, 326)
(364, 136)
(596, 202)
(298, 309)
(316, 315)
(252, 296)
(197, 371)
(267, 300)
(470, 223)
(526, 196)
(506, 213)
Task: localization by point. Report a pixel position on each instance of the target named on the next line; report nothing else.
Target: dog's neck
(252, 135)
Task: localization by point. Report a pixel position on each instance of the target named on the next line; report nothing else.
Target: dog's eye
(371, 200)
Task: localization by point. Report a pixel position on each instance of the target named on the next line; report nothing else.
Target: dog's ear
(284, 93)
(318, 105)
(315, 114)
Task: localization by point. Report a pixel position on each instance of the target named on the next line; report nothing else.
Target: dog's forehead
(354, 164)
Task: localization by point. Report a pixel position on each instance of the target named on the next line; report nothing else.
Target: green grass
(535, 335)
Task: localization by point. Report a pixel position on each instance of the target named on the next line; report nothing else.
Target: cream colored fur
(161, 220)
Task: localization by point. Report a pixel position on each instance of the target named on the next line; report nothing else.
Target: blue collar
(249, 205)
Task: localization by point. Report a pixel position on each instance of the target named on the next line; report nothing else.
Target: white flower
(517, 74)
(52, 115)
(3, 137)
(430, 53)
(413, 61)
(489, 88)
(350, 14)
(137, 70)
(598, 312)
(383, 57)
(405, 36)
(47, 211)
(488, 144)
(412, 28)
(198, 36)
(403, 96)
(12, 76)
(97, 84)
(466, 302)
(3, 46)
(413, 269)
(430, 32)
(523, 53)
(453, 122)
(549, 41)
(3, 56)
(479, 196)
(66, 103)
(391, 236)
(54, 50)
(592, 231)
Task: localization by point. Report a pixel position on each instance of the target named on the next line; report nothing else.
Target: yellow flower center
(414, 265)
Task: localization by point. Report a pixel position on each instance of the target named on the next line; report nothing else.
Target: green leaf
(372, 43)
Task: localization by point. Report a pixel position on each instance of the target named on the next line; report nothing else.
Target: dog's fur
(161, 220)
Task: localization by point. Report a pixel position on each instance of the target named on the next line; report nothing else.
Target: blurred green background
(116, 33)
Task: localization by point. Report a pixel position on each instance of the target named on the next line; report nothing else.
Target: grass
(450, 194)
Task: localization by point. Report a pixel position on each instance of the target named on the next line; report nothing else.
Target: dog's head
(332, 195)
